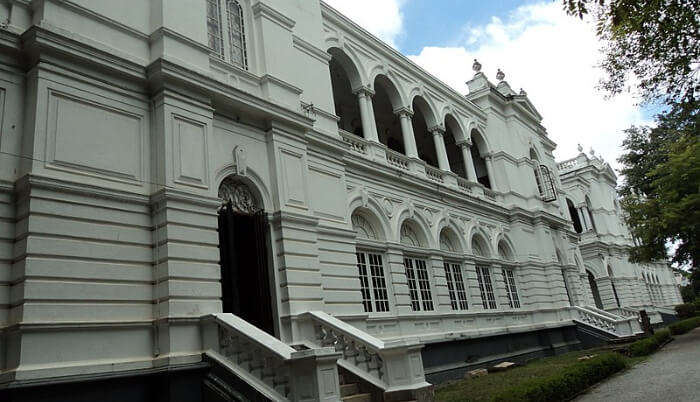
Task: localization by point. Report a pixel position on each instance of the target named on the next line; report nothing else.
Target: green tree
(651, 43)
(661, 169)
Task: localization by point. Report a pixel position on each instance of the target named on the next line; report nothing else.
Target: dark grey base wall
(202, 383)
(451, 360)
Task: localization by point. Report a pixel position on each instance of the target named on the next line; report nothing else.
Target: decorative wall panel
(190, 152)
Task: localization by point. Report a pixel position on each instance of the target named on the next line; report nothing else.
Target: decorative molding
(311, 50)
(261, 9)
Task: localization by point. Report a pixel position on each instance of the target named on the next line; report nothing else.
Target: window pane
(424, 284)
(364, 282)
(459, 284)
(215, 36)
(412, 288)
(450, 286)
(236, 33)
(483, 275)
(381, 297)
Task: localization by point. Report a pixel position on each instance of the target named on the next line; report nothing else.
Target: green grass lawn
(484, 388)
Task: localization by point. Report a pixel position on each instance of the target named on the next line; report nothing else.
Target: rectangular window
(456, 287)
(372, 283)
(418, 284)
(511, 289)
(483, 275)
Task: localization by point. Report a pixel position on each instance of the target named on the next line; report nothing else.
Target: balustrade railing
(391, 366)
(397, 160)
(434, 174)
(618, 326)
(464, 184)
(357, 144)
(273, 368)
(490, 194)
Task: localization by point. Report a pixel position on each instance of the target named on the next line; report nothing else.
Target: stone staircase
(353, 389)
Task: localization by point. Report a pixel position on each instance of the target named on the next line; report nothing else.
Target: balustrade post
(314, 375)
(439, 141)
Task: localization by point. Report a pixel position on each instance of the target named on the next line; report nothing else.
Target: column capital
(363, 91)
(437, 129)
(404, 111)
(464, 143)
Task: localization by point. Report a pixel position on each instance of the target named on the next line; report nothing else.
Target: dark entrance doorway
(594, 290)
(243, 244)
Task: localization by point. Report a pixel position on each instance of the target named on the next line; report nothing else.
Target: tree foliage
(653, 43)
(660, 192)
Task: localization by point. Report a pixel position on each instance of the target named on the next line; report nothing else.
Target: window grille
(214, 29)
(455, 287)
(511, 289)
(418, 284)
(234, 49)
(372, 282)
(545, 183)
(236, 34)
(483, 275)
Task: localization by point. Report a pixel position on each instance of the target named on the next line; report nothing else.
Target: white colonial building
(213, 200)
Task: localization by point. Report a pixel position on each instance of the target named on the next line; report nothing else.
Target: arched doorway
(244, 239)
(594, 290)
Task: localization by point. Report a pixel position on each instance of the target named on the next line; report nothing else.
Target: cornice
(27, 182)
(311, 49)
(261, 9)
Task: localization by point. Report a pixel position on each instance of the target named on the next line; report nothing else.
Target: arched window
(232, 50)
(416, 268)
(573, 213)
(453, 271)
(594, 290)
(543, 178)
(370, 265)
(483, 273)
(508, 273)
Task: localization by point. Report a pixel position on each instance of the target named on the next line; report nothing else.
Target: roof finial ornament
(500, 75)
(476, 66)
(592, 152)
(580, 148)
(522, 92)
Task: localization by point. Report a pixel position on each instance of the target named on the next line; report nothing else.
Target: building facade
(257, 199)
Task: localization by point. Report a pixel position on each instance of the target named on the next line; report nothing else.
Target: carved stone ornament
(363, 228)
(365, 197)
(388, 207)
(239, 195)
(500, 75)
(408, 235)
(240, 160)
(476, 66)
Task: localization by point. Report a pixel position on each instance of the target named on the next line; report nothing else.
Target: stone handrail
(619, 327)
(464, 184)
(397, 160)
(490, 194)
(391, 366)
(357, 144)
(271, 367)
(434, 174)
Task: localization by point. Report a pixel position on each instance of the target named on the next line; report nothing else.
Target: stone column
(465, 146)
(491, 171)
(369, 126)
(439, 140)
(409, 139)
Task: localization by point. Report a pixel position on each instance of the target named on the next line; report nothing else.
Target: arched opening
(479, 149)
(508, 274)
(416, 268)
(424, 139)
(589, 215)
(612, 283)
(345, 78)
(573, 213)
(483, 272)
(456, 287)
(536, 170)
(386, 99)
(244, 247)
(454, 152)
(560, 259)
(370, 261)
(594, 290)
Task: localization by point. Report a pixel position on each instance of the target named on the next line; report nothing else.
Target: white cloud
(380, 17)
(553, 57)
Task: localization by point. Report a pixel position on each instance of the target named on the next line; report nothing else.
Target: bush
(649, 345)
(684, 326)
(688, 310)
(567, 383)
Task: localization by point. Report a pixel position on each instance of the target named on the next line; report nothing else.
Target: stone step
(358, 398)
(349, 389)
